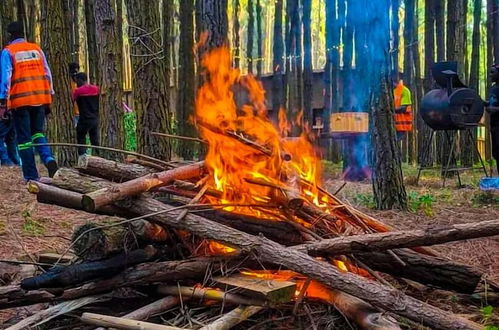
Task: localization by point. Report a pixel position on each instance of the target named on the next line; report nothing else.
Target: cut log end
(88, 203)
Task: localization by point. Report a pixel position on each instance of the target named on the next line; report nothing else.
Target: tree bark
(259, 39)
(211, 16)
(307, 62)
(111, 78)
(251, 33)
(151, 102)
(93, 54)
(278, 62)
(187, 81)
(409, 74)
(475, 48)
(395, 26)
(94, 200)
(388, 181)
(55, 43)
(147, 273)
(111, 170)
(7, 15)
(236, 40)
(495, 29)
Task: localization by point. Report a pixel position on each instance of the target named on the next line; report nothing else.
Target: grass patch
(3, 227)
(485, 198)
(31, 226)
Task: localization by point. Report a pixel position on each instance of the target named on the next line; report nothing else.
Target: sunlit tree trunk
(55, 44)
(235, 33)
(395, 6)
(111, 75)
(307, 61)
(388, 183)
(93, 59)
(251, 32)
(259, 40)
(74, 28)
(150, 88)
(409, 70)
(186, 80)
(278, 61)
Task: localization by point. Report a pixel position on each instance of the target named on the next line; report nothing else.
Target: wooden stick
(106, 196)
(208, 294)
(146, 163)
(233, 318)
(180, 137)
(121, 323)
(76, 145)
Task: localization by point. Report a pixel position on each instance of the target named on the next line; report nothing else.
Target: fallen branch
(233, 318)
(121, 323)
(180, 137)
(106, 196)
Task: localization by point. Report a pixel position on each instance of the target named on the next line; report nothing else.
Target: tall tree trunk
(149, 71)
(211, 16)
(495, 31)
(307, 61)
(169, 46)
(388, 181)
(278, 62)
(111, 77)
(474, 74)
(93, 57)
(440, 28)
(490, 61)
(237, 29)
(7, 15)
(259, 40)
(74, 29)
(55, 43)
(429, 48)
(249, 39)
(395, 6)
(409, 64)
(418, 81)
(186, 80)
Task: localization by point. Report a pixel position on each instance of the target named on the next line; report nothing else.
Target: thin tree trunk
(475, 54)
(74, 30)
(409, 63)
(495, 31)
(259, 55)
(388, 181)
(307, 62)
(93, 56)
(395, 6)
(418, 81)
(111, 77)
(249, 39)
(490, 62)
(150, 87)
(169, 47)
(278, 62)
(237, 29)
(55, 43)
(439, 9)
(186, 80)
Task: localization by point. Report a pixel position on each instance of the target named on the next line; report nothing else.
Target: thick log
(403, 239)
(121, 323)
(78, 273)
(111, 170)
(143, 274)
(106, 196)
(432, 268)
(377, 294)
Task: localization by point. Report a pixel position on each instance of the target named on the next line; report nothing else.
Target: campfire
(249, 230)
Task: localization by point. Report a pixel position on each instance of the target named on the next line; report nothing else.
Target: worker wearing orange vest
(403, 107)
(26, 91)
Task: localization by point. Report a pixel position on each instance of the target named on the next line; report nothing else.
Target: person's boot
(52, 167)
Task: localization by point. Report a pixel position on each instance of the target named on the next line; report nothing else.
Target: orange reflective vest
(29, 85)
(402, 95)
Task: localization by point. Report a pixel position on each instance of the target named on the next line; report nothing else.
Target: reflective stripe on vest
(30, 85)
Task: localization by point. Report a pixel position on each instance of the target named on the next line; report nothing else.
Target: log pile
(166, 241)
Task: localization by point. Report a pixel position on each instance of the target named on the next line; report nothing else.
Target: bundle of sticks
(164, 239)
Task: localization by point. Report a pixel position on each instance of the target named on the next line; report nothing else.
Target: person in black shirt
(86, 97)
(493, 109)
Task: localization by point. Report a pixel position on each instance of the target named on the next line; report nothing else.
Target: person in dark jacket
(86, 97)
(493, 108)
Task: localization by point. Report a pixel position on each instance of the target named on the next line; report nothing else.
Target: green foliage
(31, 226)
(130, 131)
(485, 198)
(487, 313)
(421, 203)
(366, 200)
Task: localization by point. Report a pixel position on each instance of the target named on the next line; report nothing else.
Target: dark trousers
(8, 148)
(29, 123)
(494, 134)
(84, 127)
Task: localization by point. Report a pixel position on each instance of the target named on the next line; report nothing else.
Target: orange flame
(231, 160)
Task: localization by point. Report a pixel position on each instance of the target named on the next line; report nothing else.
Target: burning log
(106, 196)
(122, 323)
(233, 318)
(79, 273)
(209, 294)
(143, 274)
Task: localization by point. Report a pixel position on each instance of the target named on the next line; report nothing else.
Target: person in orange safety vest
(403, 107)
(26, 92)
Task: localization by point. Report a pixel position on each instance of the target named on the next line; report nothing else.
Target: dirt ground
(28, 228)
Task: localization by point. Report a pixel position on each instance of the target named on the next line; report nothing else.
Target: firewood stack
(247, 238)
(162, 238)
